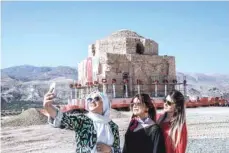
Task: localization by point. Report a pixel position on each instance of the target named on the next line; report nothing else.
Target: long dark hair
(178, 117)
(145, 98)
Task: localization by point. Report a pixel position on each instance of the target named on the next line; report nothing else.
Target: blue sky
(58, 33)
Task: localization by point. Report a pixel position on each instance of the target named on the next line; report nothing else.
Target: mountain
(30, 83)
(199, 84)
(27, 73)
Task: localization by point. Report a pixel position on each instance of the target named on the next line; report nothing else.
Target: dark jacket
(145, 140)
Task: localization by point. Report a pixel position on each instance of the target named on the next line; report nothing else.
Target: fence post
(113, 85)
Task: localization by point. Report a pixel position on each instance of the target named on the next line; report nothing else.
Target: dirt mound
(33, 116)
(29, 117)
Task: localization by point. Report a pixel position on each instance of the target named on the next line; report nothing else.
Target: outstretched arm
(56, 117)
(47, 104)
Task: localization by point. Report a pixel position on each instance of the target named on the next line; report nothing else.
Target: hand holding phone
(52, 88)
(48, 98)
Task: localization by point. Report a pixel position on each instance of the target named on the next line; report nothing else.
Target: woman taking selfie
(94, 131)
(143, 134)
(173, 123)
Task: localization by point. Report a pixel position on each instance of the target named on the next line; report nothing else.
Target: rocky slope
(30, 83)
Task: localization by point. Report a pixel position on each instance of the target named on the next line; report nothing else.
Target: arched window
(125, 75)
(93, 52)
(139, 48)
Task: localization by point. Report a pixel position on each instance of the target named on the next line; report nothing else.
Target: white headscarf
(101, 122)
(105, 100)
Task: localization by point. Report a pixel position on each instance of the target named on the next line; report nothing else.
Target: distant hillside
(30, 83)
(200, 84)
(27, 73)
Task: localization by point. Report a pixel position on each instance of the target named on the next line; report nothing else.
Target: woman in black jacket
(143, 134)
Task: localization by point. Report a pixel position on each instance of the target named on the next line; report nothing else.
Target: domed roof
(124, 33)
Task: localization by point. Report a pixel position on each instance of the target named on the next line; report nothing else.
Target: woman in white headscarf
(95, 131)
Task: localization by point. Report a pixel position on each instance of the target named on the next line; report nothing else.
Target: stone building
(127, 55)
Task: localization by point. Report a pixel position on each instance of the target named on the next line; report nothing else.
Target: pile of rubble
(28, 117)
(33, 116)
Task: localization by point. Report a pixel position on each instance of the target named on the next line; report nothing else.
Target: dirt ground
(207, 132)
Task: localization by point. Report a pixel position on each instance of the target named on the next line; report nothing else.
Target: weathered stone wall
(154, 47)
(141, 67)
(117, 54)
(123, 43)
(91, 48)
(131, 45)
(172, 66)
(117, 46)
(150, 46)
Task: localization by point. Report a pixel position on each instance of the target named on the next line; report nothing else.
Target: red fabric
(89, 69)
(133, 124)
(181, 147)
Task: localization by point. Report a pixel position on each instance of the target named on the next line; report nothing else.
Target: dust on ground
(29, 132)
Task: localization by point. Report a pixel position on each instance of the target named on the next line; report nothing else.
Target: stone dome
(124, 33)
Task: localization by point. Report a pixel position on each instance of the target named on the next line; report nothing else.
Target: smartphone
(52, 87)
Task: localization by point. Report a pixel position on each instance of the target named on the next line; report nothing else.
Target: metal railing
(125, 90)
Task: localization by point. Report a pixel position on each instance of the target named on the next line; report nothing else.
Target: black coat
(145, 140)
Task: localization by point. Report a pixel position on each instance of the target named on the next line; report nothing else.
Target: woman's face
(95, 104)
(139, 109)
(169, 105)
